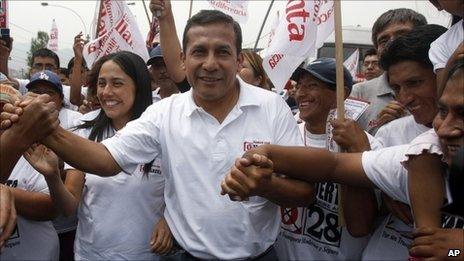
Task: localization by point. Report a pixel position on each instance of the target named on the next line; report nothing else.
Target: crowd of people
(192, 155)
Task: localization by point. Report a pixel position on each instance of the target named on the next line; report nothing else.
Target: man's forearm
(11, 149)
(290, 192)
(82, 154)
(34, 205)
(359, 209)
(76, 83)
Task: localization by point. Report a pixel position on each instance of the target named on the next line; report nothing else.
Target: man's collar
(383, 86)
(246, 97)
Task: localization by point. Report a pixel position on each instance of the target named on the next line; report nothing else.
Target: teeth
(208, 79)
(111, 103)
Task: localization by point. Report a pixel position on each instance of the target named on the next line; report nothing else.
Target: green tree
(37, 43)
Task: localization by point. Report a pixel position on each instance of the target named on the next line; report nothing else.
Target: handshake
(251, 175)
(31, 119)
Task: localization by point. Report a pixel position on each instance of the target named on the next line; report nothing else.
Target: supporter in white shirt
(35, 238)
(312, 232)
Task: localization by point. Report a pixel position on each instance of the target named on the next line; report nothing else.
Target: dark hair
(64, 71)
(256, 63)
(458, 65)
(44, 52)
(71, 64)
(134, 66)
(400, 15)
(413, 46)
(207, 17)
(370, 52)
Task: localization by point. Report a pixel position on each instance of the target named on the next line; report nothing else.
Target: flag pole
(340, 86)
(190, 8)
(146, 13)
(262, 25)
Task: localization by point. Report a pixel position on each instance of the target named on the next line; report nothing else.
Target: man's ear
(240, 58)
(182, 59)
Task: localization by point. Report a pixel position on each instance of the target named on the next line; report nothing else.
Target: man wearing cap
(47, 82)
(161, 83)
(313, 232)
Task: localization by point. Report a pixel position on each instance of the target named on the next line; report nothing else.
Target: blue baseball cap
(324, 69)
(155, 53)
(48, 77)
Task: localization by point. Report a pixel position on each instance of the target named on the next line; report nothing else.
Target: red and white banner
(294, 41)
(116, 30)
(3, 14)
(53, 38)
(274, 26)
(238, 9)
(352, 64)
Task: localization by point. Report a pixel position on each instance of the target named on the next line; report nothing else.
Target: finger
(232, 194)
(238, 181)
(170, 244)
(423, 231)
(421, 251)
(262, 161)
(422, 241)
(165, 245)
(244, 161)
(233, 185)
(5, 124)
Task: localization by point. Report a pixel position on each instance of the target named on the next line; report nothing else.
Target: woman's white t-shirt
(117, 214)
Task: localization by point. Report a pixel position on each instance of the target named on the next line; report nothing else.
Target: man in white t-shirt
(198, 134)
(313, 232)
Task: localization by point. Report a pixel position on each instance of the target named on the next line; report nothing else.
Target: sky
(28, 17)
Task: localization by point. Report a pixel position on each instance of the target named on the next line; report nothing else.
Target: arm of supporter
(75, 79)
(315, 165)
(392, 111)
(161, 239)
(425, 173)
(287, 192)
(7, 214)
(359, 204)
(436, 243)
(169, 40)
(36, 206)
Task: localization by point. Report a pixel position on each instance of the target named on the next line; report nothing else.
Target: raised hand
(160, 8)
(43, 160)
(78, 46)
(161, 239)
(392, 111)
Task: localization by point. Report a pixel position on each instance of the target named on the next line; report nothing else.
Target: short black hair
(64, 71)
(44, 52)
(71, 64)
(207, 17)
(413, 46)
(370, 52)
(400, 15)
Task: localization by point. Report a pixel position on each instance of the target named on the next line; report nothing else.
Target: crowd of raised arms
(192, 155)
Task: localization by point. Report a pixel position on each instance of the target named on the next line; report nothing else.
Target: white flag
(274, 26)
(352, 64)
(324, 21)
(294, 41)
(238, 9)
(53, 38)
(116, 30)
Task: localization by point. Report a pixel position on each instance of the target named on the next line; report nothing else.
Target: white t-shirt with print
(197, 153)
(400, 131)
(442, 48)
(117, 214)
(313, 233)
(31, 240)
(384, 168)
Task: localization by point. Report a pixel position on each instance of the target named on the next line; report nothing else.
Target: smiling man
(199, 134)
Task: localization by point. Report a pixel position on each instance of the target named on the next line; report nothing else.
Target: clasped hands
(251, 175)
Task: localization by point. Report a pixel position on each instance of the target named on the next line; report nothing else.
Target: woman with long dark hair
(116, 214)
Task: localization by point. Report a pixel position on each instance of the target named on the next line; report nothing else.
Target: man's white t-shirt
(197, 152)
(444, 46)
(400, 131)
(313, 233)
(117, 214)
(31, 240)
